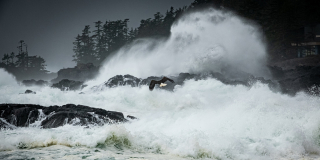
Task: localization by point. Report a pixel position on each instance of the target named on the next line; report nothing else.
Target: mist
(49, 28)
(200, 119)
(203, 41)
(7, 79)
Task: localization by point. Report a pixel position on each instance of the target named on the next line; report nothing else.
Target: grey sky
(50, 26)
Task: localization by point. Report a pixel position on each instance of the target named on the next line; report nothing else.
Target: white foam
(202, 41)
(6, 78)
(201, 119)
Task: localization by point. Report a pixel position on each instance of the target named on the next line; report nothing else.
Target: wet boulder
(29, 92)
(79, 115)
(33, 82)
(81, 72)
(131, 117)
(123, 80)
(301, 78)
(24, 115)
(19, 115)
(5, 125)
(69, 85)
(129, 80)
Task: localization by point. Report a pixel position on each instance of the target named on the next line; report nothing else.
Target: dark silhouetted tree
(6, 59)
(37, 63)
(84, 48)
(12, 58)
(100, 45)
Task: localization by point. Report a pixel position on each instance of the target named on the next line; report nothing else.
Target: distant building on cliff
(308, 42)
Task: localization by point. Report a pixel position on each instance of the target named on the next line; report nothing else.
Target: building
(310, 44)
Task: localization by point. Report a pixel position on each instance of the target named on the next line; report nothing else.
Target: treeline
(282, 22)
(107, 37)
(22, 65)
(94, 47)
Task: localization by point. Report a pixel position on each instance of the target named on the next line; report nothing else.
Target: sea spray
(7, 78)
(203, 41)
(200, 119)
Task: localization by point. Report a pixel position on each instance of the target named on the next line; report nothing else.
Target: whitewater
(202, 119)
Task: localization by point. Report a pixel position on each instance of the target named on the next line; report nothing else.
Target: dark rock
(19, 115)
(121, 80)
(33, 82)
(302, 78)
(276, 72)
(81, 72)
(68, 85)
(5, 125)
(312, 61)
(132, 81)
(42, 83)
(131, 117)
(29, 92)
(67, 117)
(79, 115)
(22, 115)
(289, 81)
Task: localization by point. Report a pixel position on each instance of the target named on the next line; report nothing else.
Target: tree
(168, 21)
(132, 35)
(84, 48)
(20, 63)
(100, 45)
(89, 55)
(115, 35)
(77, 49)
(5, 59)
(37, 63)
(206, 3)
(12, 58)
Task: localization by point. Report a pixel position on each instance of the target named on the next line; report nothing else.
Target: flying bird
(161, 82)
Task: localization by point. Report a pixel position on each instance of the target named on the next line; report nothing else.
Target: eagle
(161, 82)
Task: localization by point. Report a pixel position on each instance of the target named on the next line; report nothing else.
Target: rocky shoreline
(302, 78)
(292, 81)
(287, 77)
(26, 115)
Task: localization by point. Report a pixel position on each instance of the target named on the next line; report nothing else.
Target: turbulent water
(201, 119)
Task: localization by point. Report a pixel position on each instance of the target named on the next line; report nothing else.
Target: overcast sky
(49, 27)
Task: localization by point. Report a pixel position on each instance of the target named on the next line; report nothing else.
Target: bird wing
(152, 84)
(164, 79)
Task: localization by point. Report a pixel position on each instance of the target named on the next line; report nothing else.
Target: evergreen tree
(77, 49)
(38, 64)
(12, 58)
(5, 59)
(84, 48)
(100, 45)
(168, 21)
(115, 35)
(88, 46)
(119, 34)
(132, 35)
(21, 62)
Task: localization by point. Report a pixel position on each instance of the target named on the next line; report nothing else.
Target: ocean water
(202, 119)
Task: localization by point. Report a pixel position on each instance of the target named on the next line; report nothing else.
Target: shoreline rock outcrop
(302, 78)
(25, 115)
(129, 80)
(81, 72)
(69, 85)
(292, 81)
(33, 82)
